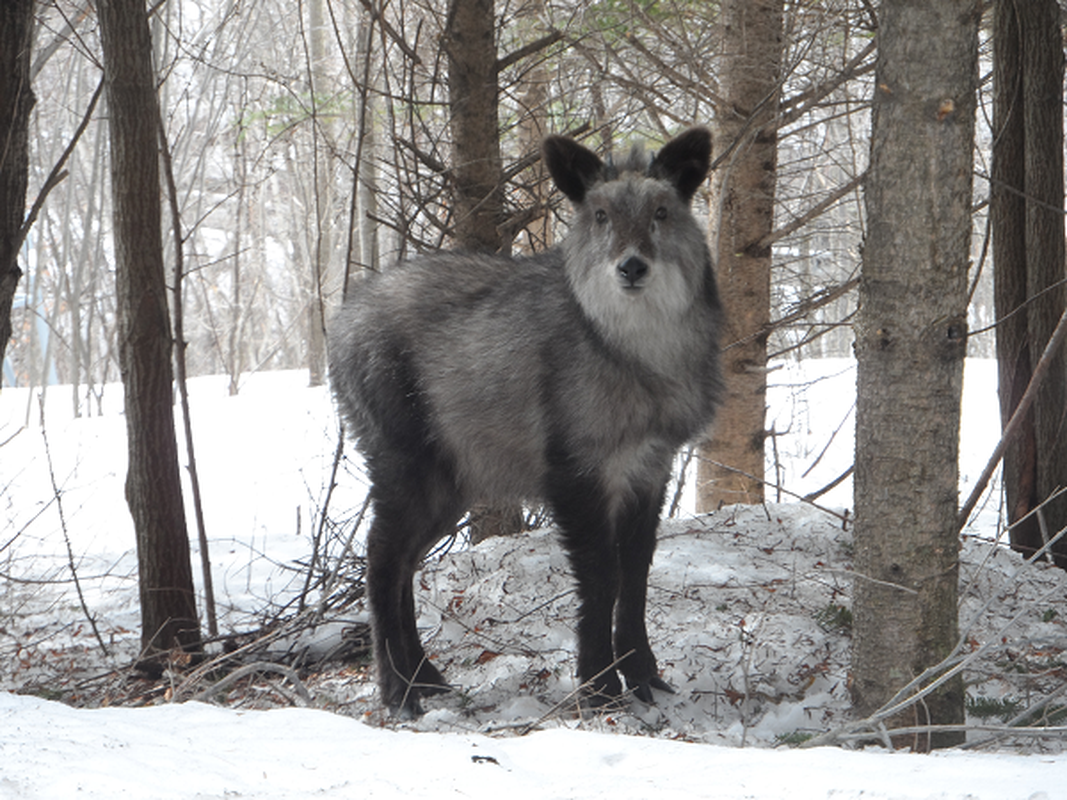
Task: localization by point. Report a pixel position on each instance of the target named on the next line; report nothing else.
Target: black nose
(632, 270)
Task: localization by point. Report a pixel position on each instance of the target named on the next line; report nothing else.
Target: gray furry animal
(570, 377)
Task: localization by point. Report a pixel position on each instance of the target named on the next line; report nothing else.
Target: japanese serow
(569, 378)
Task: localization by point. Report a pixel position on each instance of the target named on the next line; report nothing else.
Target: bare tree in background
(153, 484)
(911, 336)
(1026, 198)
(322, 191)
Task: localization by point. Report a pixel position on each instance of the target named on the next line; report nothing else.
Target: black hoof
(409, 706)
(403, 698)
(407, 710)
(643, 689)
(429, 680)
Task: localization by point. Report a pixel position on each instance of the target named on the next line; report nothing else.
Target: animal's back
(464, 342)
(493, 361)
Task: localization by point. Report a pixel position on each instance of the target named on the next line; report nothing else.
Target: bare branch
(527, 50)
(1011, 430)
(377, 16)
(812, 213)
(58, 173)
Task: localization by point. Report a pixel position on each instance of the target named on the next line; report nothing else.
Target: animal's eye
(601, 216)
(661, 212)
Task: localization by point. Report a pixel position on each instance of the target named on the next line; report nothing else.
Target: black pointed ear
(684, 161)
(573, 168)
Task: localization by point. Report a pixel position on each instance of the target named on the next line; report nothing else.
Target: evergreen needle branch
(1014, 725)
(906, 697)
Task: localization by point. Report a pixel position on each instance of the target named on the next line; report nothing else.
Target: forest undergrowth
(749, 615)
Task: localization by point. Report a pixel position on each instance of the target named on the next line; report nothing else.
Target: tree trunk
(911, 334)
(16, 102)
(473, 100)
(732, 461)
(153, 485)
(477, 172)
(1028, 258)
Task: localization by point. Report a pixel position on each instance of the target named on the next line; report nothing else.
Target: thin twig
(332, 577)
(572, 697)
(194, 677)
(58, 494)
(945, 670)
(323, 517)
(690, 451)
(1014, 426)
(183, 384)
(801, 498)
(252, 669)
(815, 211)
(58, 173)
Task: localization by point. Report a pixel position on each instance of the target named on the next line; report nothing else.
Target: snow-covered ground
(196, 751)
(744, 613)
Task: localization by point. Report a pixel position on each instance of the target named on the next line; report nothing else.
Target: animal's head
(635, 255)
(683, 163)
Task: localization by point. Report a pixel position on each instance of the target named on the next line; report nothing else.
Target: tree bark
(911, 334)
(153, 485)
(16, 103)
(473, 103)
(1028, 257)
(477, 172)
(732, 461)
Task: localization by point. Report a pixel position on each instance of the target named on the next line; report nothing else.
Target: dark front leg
(580, 510)
(638, 523)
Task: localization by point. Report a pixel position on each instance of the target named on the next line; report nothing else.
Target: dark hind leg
(403, 530)
(638, 522)
(580, 509)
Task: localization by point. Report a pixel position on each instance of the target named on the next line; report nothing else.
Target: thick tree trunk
(153, 485)
(911, 334)
(16, 102)
(1007, 211)
(732, 462)
(473, 102)
(477, 174)
(1028, 257)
